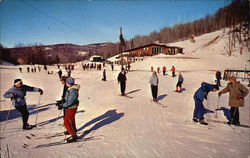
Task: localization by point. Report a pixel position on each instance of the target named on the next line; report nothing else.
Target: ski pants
(179, 84)
(69, 121)
(234, 111)
(199, 109)
(154, 90)
(123, 87)
(25, 114)
(173, 74)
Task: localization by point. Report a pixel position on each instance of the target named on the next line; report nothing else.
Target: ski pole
(55, 122)
(37, 110)
(7, 119)
(218, 102)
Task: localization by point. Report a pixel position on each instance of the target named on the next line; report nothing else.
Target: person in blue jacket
(199, 96)
(17, 94)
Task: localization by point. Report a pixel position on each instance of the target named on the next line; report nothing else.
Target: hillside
(135, 127)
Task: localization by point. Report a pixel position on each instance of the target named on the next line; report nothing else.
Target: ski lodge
(152, 49)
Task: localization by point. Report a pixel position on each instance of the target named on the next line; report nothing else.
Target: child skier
(173, 71)
(199, 96)
(17, 94)
(179, 83)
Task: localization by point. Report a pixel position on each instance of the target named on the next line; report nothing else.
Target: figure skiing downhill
(17, 94)
(199, 96)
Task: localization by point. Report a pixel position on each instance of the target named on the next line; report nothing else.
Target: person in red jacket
(173, 71)
(164, 70)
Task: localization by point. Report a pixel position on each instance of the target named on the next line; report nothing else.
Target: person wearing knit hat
(17, 94)
(237, 93)
(70, 105)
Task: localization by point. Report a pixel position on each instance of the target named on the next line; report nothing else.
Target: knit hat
(216, 87)
(70, 80)
(17, 81)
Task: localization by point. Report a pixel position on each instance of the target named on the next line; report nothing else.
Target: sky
(93, 21)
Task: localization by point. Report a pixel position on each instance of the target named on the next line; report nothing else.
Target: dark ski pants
(123, 87)
(173, 74)
(234, 111)
(25, 114)
(199, 109)
(154, 90)
(179, 84)
(69, 121)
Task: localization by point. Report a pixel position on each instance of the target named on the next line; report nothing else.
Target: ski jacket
(237, 92)
(201, 93)
(180, 79)
(71, 97)
(19, 99)
(154, 81)
(173, 69)
(121, 77)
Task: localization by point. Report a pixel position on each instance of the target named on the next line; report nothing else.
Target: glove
(40, 91)
(60, 107)
(219, 94)
(14, 95)
(60, 101)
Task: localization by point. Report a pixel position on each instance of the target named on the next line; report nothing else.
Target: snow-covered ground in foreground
(131, 127)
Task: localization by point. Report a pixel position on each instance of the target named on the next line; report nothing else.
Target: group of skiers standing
(164, 70)
(69, 101)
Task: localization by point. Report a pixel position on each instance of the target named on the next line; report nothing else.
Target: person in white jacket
(154, 81)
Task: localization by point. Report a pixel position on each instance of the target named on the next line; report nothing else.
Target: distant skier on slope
(70, 105)
(154, 81)
(164, 70)
(17, 94)
(237, 93)
(173, 71)
(218, 78)
(179, 83)
(122, 80)
(60, 73)
(104, 74)
(199, 96)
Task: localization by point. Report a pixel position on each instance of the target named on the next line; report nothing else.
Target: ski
(52, 135)
(63, 142)
(230, 125)
(31, 135)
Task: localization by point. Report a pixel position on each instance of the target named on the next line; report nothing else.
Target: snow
(132, 127)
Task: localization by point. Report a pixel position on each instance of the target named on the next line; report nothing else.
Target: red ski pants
(69, 121)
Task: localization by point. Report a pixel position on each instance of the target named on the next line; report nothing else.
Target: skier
(237, 93)
(164, 70)
(152, 68)
(69, 72)
(154, 81)
(28, 69)
(70, 105)
(112, 67)
(199, 96)
(173, 71)
(60, 73)
(17, 94)
(20, 69)
(104, 75)
(179, 83)
(122, 80)
(158, 69)
(218, 78)
(39, 68)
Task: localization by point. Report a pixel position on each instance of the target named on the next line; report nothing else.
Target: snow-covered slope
(134, 127)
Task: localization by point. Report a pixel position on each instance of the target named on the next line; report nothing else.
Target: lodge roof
(156, 44)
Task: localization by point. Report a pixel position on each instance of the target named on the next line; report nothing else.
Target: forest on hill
(234, 16)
